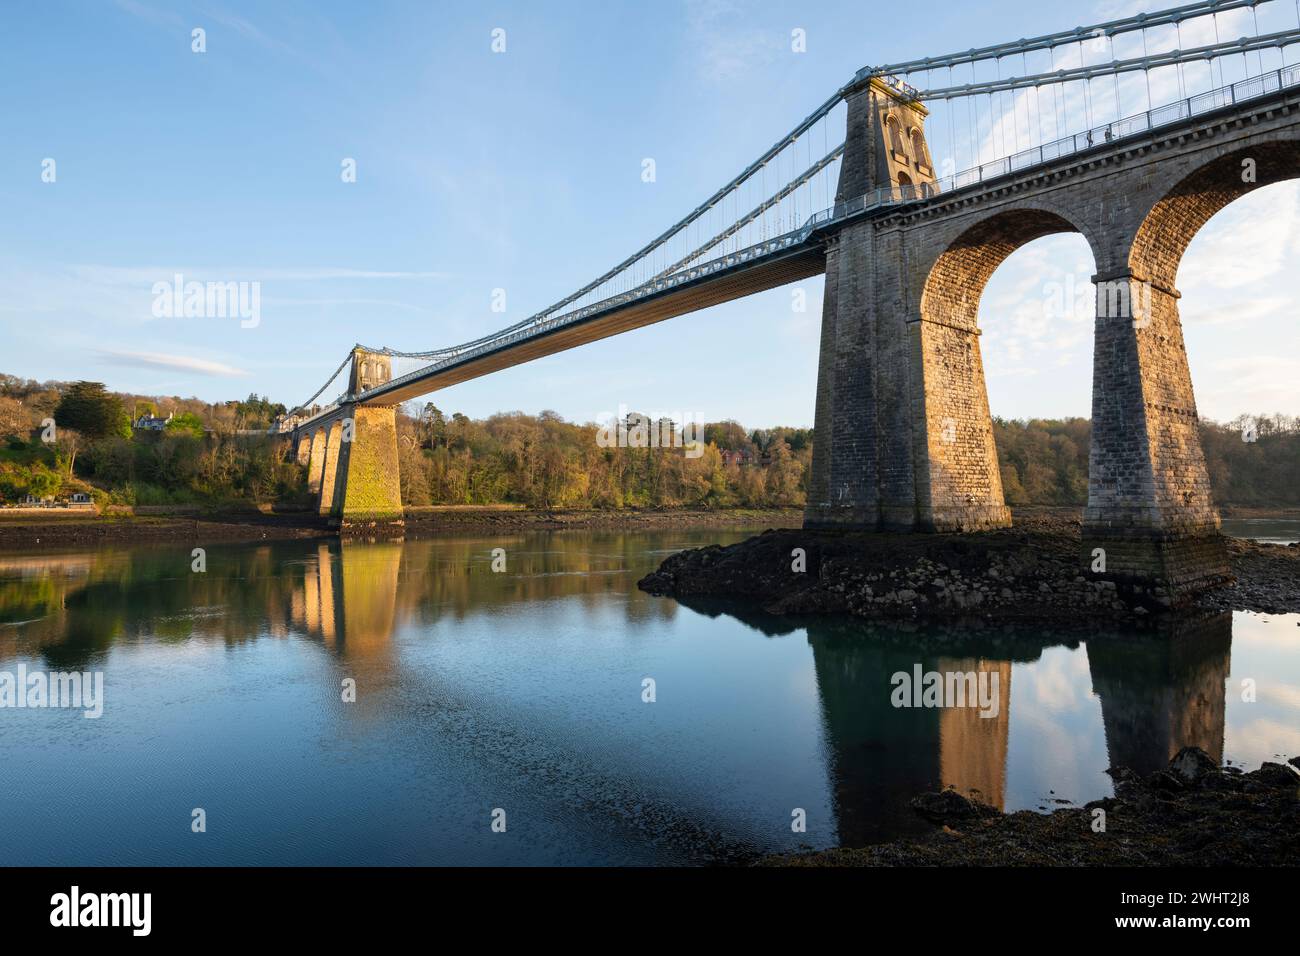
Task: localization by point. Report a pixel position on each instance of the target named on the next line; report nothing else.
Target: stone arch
(920, 151)
(894, 134)
(1173, 221)
(959, 480)
(904, 179)
(1148, 483)
(955, 281)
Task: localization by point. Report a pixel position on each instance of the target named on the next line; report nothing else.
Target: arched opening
(1231, 324)
(920, 152)
(895, 136)
(1036, 312)
(904, 179)
(1174, 220)
(1237, 306)
(958, 278)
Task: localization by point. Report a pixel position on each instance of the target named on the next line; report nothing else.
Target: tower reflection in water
(1158, 692)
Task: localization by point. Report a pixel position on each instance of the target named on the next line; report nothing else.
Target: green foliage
(1046, 462)
(88, 408)
(257, 412)
(1043, 462)
(34, 478)
(185, 423)
(545, 462)
(539, 461)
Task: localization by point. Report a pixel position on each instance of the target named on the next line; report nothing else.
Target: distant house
(739, 457)
(31, 501)
(148, 423)
(80, 499)
(284, 424)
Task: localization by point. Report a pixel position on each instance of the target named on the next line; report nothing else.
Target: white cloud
(147, 275)
(161, 360)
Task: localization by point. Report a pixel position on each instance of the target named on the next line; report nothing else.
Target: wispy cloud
(156, 360)
(147, 275)
(143, 11)
(726, 47)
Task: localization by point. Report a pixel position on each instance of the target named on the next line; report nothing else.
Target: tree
(432, 425)
(783, 477)
(186, 423)
(89, 408)
(15, 419)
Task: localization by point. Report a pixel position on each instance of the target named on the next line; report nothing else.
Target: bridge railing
(1184, 109)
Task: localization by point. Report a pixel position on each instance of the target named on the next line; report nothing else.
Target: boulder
(1193, 763)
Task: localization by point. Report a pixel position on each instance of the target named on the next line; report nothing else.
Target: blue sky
(520, 171)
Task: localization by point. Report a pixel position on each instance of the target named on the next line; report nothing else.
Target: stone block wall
(369, 483)
(961, 488)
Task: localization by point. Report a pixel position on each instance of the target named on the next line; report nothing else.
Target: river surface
(1266, 530)
(520, 697)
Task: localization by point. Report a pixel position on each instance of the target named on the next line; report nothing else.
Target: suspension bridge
(1132, 133)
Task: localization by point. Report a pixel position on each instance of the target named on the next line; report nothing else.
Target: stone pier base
(360, 487)
(1179, 566)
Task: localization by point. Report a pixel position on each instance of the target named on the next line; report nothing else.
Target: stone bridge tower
(904, 438)
(351, 454)
(368, 370)
(903, 433)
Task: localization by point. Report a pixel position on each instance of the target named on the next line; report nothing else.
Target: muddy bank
(26, 532)
(1193, 813)
(487, 520)
(29, 534)
(1033, 572)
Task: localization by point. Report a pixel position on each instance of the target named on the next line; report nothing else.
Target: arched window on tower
(920, 152)
(895, 135)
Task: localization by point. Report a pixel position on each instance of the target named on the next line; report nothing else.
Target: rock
(949, 806)
(1295, 762)
(1193, 763)
(1274, 775)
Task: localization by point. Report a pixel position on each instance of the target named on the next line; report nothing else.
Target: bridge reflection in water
(1156, 692)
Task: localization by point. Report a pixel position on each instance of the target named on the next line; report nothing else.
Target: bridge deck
(789, 265)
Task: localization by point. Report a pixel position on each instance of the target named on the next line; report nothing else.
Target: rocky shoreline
(1033, 572)
(1192, 813)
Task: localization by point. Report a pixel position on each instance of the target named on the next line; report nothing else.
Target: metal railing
(1207, 102)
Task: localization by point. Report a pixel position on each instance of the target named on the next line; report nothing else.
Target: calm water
(1267, 530)
(522, 690)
